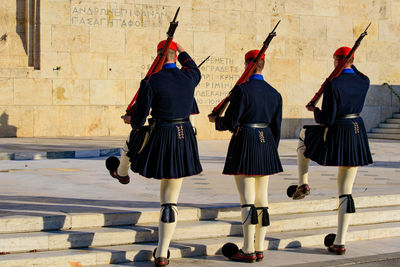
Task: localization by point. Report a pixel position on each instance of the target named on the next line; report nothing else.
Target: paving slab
(370, 251)
(83, 185)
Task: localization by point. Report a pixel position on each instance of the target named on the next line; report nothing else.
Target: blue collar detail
(169, 66)
(348, 71)
(256, 77)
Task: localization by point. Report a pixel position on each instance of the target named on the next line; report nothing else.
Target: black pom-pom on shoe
(229, 249)
(112, 163)
(329, 239)
(290, 190)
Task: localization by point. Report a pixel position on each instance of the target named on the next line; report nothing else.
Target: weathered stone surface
(70, 92)
(111, 41)
(299, 7)
(202, 42)
(88, 66)
(395, 11)
(70, 38)
(94, 121)
(46, 37)
(141, 41)
(107, 92)
(116, 127)
(129, 67)
(289, 26)
(389, 31)
(340, 28)
(312, 71)
(55, 65)
(55, 12)
(5, 73)
(6, 91)
(32, 91)
(313, 27)
(326, 8)
(355, 9)
(380, 9)
(16, 121)
(225, 21)
(195, 20)
(59, 121)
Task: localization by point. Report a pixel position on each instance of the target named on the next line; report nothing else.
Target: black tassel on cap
(351, 208)
(168, 214)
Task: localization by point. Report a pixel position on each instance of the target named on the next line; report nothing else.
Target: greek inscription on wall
(218, 76)
(114, 15)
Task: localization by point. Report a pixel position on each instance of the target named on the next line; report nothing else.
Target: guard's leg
(302, 161)
(346, 177)
(245, 186)
(169, 194)
(302, 190)
(261, 203)
(124, 161)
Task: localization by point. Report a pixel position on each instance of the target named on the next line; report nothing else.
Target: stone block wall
(93, 54)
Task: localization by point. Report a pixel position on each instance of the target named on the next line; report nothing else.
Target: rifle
(158, 61)
(204, 61)
(339, 68)
(219, 109)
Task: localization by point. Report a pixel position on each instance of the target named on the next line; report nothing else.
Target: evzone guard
(167, 148)
(170, 152)
(254, 116)
(340, 139)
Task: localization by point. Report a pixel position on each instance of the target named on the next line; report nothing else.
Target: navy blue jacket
(254, 101)
(169, 92)
(345, 94)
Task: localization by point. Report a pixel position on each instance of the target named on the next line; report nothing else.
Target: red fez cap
(173, 45)
(253, 54)
(343, 51)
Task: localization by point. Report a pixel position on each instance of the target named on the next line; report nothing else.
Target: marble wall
(92, 55)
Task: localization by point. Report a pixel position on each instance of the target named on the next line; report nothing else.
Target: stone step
(389, 125)
(384, 136)
(396, 115)
(108, 236)
(386, 130)
(77, 220)
(187, 248)
(393, 120)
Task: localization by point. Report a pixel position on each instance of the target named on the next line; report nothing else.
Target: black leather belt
(255, 125)
(173, 121)
(348, 116)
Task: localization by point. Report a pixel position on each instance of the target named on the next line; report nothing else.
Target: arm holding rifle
(276, 122)
(233, 113)
(327, 114)
(142, 109)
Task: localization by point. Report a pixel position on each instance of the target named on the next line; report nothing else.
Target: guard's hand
(127, 119)
(311, 108)
(211, 118)
(179, 48)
